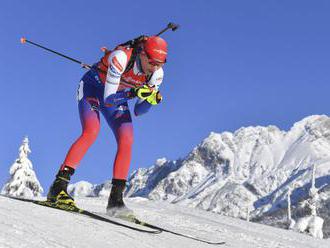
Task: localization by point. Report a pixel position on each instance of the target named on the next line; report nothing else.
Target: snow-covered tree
(289, 205)
(312, 224)
(248, 212)
(291, 222)
(23, 181)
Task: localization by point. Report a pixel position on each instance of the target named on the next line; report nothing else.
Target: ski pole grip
(23, 40)
(171, 26)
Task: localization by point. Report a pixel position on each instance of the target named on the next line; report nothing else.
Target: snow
(45, 227)
(255, 173)
(245, 174)
(311, 224)
(81, 188)
(252, 166)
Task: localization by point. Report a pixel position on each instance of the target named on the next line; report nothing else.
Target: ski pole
(24, 40)
(171, 25)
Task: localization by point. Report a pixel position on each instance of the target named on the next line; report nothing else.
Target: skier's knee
(90, 135)
(126, 140)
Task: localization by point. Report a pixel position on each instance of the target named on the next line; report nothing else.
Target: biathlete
(131, 70)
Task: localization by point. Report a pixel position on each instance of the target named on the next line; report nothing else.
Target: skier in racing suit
(131, 70)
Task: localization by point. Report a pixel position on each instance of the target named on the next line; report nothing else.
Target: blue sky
(232, 64)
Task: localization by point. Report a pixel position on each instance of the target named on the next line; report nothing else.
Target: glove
(141, 92)
(155, 98)
(146, 93)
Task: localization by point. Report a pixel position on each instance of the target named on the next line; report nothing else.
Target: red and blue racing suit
(104, 88)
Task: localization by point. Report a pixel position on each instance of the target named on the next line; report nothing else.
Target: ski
(76, 210)
(183, 235)
(145, 224)
(115, 221)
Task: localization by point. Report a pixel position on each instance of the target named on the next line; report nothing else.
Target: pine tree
(23, 181)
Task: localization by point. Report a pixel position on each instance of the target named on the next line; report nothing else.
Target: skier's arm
(117, 63)
(142, 106)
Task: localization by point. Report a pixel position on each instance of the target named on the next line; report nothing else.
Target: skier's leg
(120, 121)
(124, 138)
(90, 120)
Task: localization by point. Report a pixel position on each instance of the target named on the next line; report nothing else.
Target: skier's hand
(142, 92)
(155, 98)
(146, 93)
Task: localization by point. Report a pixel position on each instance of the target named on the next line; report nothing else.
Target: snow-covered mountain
(84, 188)
(249, 170)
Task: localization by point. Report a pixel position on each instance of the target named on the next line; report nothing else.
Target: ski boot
(116, 206)
(58, 191)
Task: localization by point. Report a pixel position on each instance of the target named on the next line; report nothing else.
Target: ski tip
(23, 40)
